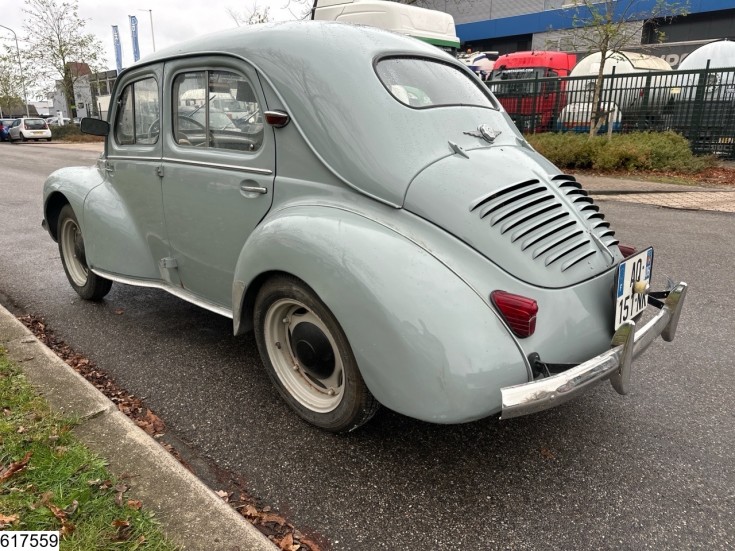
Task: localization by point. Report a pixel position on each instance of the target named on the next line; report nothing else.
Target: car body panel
(414, 331)
(512, 205)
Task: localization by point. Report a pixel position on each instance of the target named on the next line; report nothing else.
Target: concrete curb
(191, 514)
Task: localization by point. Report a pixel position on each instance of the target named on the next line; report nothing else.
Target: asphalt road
(651, 470)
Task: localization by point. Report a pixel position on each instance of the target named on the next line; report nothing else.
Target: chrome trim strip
(180, 293)
(206, 164)
(615, 363)
(132, 158)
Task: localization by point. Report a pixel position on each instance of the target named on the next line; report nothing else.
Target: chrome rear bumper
(614, 364)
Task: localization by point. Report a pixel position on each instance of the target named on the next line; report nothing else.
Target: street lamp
(20, 66)
(153, 37)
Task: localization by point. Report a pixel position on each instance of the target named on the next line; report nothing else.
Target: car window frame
(207, 69)
(462, 69)
(119, 108)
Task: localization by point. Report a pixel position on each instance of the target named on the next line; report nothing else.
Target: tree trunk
(597, 114)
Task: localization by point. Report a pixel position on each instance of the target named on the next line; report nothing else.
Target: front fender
(427, 345)
(68, 185)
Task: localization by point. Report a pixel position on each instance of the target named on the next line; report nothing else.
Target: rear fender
(427, 345)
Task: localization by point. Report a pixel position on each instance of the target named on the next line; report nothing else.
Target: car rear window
(424, 83)
(35, 124)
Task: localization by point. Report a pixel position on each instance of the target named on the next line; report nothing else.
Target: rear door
(217, 175)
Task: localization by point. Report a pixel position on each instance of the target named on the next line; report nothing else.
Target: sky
(173, 21)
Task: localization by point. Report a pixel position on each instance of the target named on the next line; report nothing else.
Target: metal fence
(699, 104)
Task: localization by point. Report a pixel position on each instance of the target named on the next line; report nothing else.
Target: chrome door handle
(253, 189)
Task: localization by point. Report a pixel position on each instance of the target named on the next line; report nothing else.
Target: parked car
(423, 257)
(31, 128)
(5, 129)
(54, 121)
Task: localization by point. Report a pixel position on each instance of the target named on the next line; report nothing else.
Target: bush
(646, 151)
(71, 133)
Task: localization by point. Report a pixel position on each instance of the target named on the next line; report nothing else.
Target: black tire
(23, 137)
(308, 358)
(86, 283)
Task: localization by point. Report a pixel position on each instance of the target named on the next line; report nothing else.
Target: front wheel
(308, 357)
(86, 283)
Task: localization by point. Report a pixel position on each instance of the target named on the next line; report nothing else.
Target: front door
(125, 214)
(218, 170)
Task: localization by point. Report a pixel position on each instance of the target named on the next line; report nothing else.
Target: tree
(251, 16)
(11, 99)
(608, 26)
(63, 51)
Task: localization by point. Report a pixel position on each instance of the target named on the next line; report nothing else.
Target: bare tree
(251, 16)
(62, 51)
(608, 26)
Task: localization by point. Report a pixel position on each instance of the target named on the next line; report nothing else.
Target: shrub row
(71, 133)
(647, 151)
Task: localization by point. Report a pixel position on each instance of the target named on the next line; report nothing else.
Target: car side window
(138, 119)
(217, 110)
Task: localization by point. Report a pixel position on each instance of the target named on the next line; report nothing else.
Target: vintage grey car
(386, 232)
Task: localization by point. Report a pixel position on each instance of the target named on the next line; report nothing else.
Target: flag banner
(118, 51)
(134, 34)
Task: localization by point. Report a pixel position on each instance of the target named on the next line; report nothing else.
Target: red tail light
(279, 119)
(627, 250)
(519, 312)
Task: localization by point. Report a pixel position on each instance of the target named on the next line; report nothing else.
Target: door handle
(253, 189)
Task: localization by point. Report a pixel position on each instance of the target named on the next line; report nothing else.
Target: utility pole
(153, 36)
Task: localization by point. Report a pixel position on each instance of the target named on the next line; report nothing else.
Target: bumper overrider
(614, 364)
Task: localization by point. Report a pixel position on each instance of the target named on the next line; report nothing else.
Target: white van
(431, 26)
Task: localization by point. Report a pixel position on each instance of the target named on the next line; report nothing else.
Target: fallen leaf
(224, 495)
(119, 311)
(21, 430)
(123, 529)
(120, 489)
(249, 511)
(309, 544)
(155, 421)
(287, 544)
(7, 519)
(272, 517)
(547, 453)
(71, 509)
(135, 504)
(66, 527)
(15, 467)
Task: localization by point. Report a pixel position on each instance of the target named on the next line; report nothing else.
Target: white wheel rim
(320, 394)
(78, 270)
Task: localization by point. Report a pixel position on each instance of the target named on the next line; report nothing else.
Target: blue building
(516, 25)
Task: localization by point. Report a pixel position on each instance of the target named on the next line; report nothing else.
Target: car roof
(321, 70)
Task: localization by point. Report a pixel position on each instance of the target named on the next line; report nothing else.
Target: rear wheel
(308, 357)
(87, 284)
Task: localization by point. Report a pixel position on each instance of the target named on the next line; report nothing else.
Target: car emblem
(485, 132)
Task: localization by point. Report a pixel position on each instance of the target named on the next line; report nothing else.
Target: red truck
(528, 86)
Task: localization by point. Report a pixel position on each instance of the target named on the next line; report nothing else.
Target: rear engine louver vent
(532, 215)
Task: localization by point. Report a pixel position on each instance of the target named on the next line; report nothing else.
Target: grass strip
(50, 481)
